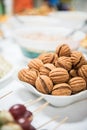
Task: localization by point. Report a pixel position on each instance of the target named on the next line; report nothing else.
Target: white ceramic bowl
(36, 40)
(70, 19)
(19, 21)
(58, 101)
(39, 20)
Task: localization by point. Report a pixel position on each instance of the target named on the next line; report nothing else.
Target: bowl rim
(31, 87)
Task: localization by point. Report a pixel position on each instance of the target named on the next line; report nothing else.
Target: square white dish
(57, 101)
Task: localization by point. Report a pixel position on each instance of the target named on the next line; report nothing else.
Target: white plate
(58, 101)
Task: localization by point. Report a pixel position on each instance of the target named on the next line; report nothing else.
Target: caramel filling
(44, 85)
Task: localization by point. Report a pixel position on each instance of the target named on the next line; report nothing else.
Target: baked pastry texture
(64, 62)
(82, 71)
(59, 75)
(77, 59)
(73, 73)
(44, 84)
(28, 75)
(35, 64)
(62, 89)
(63, 50)
(46, 68)
(48, 57)
(77, 84)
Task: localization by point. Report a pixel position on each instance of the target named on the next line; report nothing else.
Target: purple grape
(25, 124)
(17, 111)
(28, 115)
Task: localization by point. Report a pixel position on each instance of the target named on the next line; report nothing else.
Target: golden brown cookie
(64, 62)
(82, 71)
(62, 89)
(77, 84)
(48, 57)
(63, 50)
(59, 75)
(77, 59)
(35, 64)
(73, 73)
(28, 76)
(44, 84)
(46, 68)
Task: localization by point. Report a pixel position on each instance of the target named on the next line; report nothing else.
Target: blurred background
(30, 6)
(37, 26)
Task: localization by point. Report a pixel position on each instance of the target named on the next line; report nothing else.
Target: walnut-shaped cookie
(28, 75)
(48, 57)
(77, 84)
(63, 50)
(82, 71)
(62, 89)
(46, 68)
(77, 59)
(64, 62)
(44, 84)
(73, 73)
(59, 75)
(35, 64)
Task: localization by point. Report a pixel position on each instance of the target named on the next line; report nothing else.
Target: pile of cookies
(63, 72)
